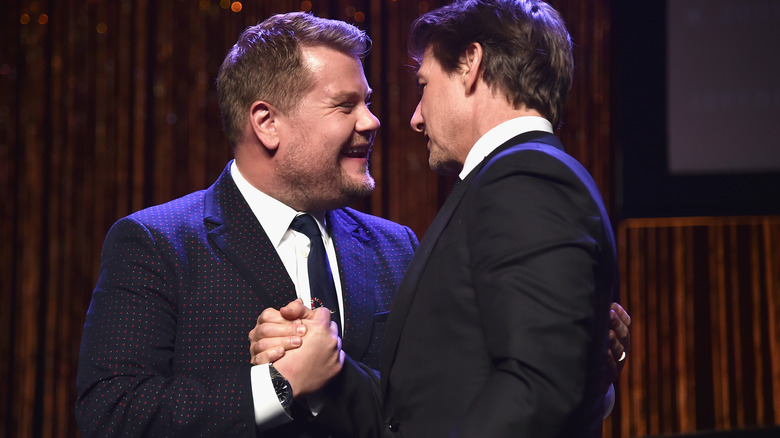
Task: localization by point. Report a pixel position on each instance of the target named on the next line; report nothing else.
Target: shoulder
(537, 160)
(170, 218)
(375, 226)
(177, 210)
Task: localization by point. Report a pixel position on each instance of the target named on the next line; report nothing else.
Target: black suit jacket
(165, 344)
(500, 325)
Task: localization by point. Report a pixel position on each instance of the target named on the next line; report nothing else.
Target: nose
(417, 123)
(368, 121)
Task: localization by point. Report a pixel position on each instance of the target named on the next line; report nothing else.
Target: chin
(445, 168)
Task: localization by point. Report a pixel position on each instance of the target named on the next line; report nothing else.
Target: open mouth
(356, 151)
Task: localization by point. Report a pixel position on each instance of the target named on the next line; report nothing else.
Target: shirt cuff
(269, 412)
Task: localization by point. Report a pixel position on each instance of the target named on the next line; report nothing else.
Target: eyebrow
(352, 95)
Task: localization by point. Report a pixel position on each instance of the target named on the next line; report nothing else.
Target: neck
(492, 109)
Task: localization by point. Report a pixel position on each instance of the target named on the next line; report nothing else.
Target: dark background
(107, 107)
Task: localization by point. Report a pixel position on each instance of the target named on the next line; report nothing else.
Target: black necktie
(323, 291)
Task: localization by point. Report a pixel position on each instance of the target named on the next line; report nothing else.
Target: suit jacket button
(393, 424)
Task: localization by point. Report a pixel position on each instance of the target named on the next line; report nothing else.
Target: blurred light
(360, 17)
(224, 4)
(43, 19)
(101, 28)
(205, 5)
(236, 6)
(24, 19)
(306, 6)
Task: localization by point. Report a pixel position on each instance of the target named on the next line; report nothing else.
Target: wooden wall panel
(703, 293)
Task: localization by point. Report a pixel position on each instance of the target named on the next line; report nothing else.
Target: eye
(421, 87)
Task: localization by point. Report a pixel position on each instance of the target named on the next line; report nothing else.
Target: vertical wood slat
(734, 283)
(719, 321)
(757, 335)
(9, 123)
(771, 253)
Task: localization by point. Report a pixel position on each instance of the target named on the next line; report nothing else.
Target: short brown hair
(266, 64)
(527, 51)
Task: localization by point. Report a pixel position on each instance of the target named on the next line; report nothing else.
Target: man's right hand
(302, 343)
(318, 359)
(277, 332)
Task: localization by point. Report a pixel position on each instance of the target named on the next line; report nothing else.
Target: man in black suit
(500, 325)
(181, 284)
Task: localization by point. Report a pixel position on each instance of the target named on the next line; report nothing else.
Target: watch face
(282, 388)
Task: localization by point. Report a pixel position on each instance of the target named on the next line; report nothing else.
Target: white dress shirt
(293, 248)
(499, 135)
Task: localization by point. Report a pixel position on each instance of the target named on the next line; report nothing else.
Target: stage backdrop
(107, 107)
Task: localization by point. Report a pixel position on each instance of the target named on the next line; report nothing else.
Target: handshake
(303, 344)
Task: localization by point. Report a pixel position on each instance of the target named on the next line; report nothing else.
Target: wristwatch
(282, 387)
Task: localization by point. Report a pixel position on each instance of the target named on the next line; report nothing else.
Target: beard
(443, 162)
(316, 183)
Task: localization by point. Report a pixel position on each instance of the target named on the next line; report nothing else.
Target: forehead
(428, 64)
(334, 71)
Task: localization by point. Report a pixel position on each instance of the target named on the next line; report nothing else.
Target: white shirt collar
(274, 216)
(499, 135)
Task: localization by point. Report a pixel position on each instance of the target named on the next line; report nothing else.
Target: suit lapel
(357, 277)
(234, 229)
(405, 296)
(408, 288)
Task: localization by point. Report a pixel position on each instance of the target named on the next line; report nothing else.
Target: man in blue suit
(181, 284)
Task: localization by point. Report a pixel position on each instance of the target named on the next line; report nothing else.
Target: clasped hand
(303, 344)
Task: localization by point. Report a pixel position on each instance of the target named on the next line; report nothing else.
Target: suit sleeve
(353, 403)
(128, 381)
(534, 244)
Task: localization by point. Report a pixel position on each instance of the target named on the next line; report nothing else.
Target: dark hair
(527, 51)
(266, 64)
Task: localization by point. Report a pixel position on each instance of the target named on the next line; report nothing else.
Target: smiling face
(322, 161)
(440, 116)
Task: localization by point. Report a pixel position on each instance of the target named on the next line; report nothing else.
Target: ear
(263, 120)
(471, 66)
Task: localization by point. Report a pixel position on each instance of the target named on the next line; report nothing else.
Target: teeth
(355, 151)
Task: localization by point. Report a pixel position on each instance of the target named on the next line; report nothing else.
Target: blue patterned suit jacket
(165, 349)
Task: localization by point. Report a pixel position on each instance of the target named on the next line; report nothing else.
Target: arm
(130, 380)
